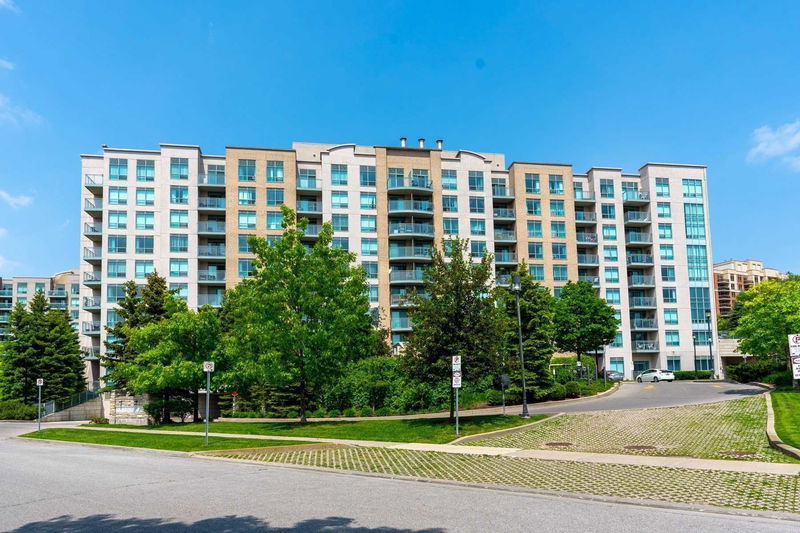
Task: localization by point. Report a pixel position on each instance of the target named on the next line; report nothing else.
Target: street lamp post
(710, 341)
(694, 349)
(516, 285)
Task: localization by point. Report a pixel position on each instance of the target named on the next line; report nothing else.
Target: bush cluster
(16, 410)
(179, 407)
(755, 369)
(98, 420)
(682, 375)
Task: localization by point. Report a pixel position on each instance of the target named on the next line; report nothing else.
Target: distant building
(733, 277)
(63, 291)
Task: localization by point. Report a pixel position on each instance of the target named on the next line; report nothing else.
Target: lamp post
(516, 285)
(694, 349)
(710, 337)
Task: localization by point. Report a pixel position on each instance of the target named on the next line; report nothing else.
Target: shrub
(755, 369)
(366, 411)
(16, 410)
(570, 371)
(349, 412)
(494, 397)
(779, 379)
(383, 411)
(291, 413)
(333, 413)
(681, 375)
(319, 413)
(588, 389)
(98, 420)
(557, 392)
(572, 389)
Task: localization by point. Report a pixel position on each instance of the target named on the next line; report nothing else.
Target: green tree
(584, 322)
(302, 316)
(770, 312)
(42, 344)
(456, 314)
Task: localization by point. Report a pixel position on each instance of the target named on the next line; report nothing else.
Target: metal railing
(48, 408)
(584, 216)
(588, 259)
(401, 228)
(634, 237)
(594, 280)
(505, 257)
(94, 252)
(500, 191)
(214, 300)
(57, 293)
(307, 206)
(644, 323)
(90, 327)
(209, 202)
(586, 237)
(92, 277)
(635, 196)
(92, 228)
(504, 235)
(211, 226)
(645, 346)
(93, 180)
(89, 302)
(637, 216)
(308, 183)
(93, 204)
(211, 275)
(410, 205)
(406, 275)
(410, 251)
(210, 179)
(501, 212)
(642, 259)
(642, 301)
(211, 250)
(584, 195)
(642, 281)
(312, 230)
(416, 183)
(6, 305)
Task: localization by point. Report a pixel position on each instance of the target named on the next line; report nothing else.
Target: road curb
(174, 453)
(774, 440)
(502, 432)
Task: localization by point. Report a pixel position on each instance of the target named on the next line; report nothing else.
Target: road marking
(650, 387)
(717, 386)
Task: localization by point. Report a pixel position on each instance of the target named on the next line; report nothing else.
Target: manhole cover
(558, 444)
(640, 448)
(736, 453)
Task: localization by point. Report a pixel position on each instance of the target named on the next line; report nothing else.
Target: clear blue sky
(591, 83)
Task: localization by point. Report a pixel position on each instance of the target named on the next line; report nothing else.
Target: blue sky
(588, 83)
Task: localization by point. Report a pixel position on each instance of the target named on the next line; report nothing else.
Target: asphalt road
(49, 487)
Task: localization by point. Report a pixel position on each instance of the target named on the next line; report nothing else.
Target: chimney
(422, 142)
(439, 143)
(403, 142)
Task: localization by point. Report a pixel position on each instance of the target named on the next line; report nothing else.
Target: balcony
(4, 332)
(639, 260)
(584, 197)
(405, 276)
(502, 235)
(588, 259)
(504, 193)
(90, 328)
(638, 238)
(312, 230)
(503, 279)
(642, 302)
(210, 276)
(585, 217)
(57, 293)
(90, 353)
(6, 292)
(4, 318)
(91, 278)
(210, 203)
(410, 206)
(61, 306)
(644, 324)
(92, 230)
(306, 206)
(93, 253)
(645, 346)
(6, 305)
(93, 205)
(211, 250)
(214, 300)
(594, 280)
(636, 217)
(401, 324)
(213, 180)
(411, 229)
(641, 281)
(400, 300)
(409, 184)
(635, 197)
(93, 181)
(91, 304)
(503, 214)
(410, 252)
(309, 184)
(505, 257)
(213, 227)
(586, 238)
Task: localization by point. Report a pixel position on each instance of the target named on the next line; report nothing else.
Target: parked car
(613, 375)
(655, 375)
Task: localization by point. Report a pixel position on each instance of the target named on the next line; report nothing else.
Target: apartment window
(118, 169)
(535, 250)
(610, 232)
(244, 244)
(557, 208)
(274, 220)
(559, 251)
(338, 174)
(373, 294)
(556, 182)
(692, 188)
(662, 187)
(666, 252)
(178, 242)
(450, 204)
(180, 290)
(340, 222)
(117, 244)
(178, 195)
(532, 185)
(179, 168)
(247, 170)
(665, 231)
(216, 173)
(560, 273)
(178, 218)
(116, 269)
(606, 188)
(672, 338)
(667, 273)
(371, 268)
(702, 338)
(339, 199)
(617, 364)
(274, 197)
(558, 230)
(611, 274)
(694, 216)
(450, 226)
(670, 295)
(477, 226)
(118, 196)
(75, 288)
(671, 316)
(307, 178)
(663, 209)
(396, 177)
(699, 302)
(608, 211)
(143, 268)
(366, 175)
(145, 170)
(369, 246)
(178, 268)
(477, 248)
(673, 362)
(38, 287)
(613, 296)
(145, 196)
(114, 293)
(476, 204)
(534, 228)
(247, 220)
(245, 268)
(368, 200)
(698, 262)
(475, 180)
(117, 219)
(449, 182)
(341, 242)
(536, 272)
(247, 196)
(144, 244)
(610, 253)
(533, 207)
(275, 171)
(145, 220)
(369, 223)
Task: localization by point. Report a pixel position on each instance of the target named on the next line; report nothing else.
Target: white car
(655, 375)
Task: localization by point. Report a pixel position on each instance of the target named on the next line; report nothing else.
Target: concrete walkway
(547, 455)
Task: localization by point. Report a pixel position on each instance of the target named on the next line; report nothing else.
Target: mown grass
(425, 430)
(786, 403)
(154, 441)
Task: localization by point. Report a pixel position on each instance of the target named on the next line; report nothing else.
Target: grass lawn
(427, 430)
(178, 443)
(786, 403)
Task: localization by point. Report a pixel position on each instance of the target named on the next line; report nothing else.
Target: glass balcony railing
(420, 252)
(57, 293)
(501, 192)
(211, 226)
(90, 328)
(208, 202)
(505, 257)
(93, 204)
(637, 216)
(410, 228)
(214, 300)
(211, 250)
(211, 275)
(401, 323)
(635, 196)
(645, 346)
(308, 183)
(412, 183)
(500, 212)
(644, 323)
(641, 281)
(94, 252)
(409, 205)
(92, 229)
(91, 303)
(587, 196)
(305, 206)
(638, 238)
(642, 301)
(93, 180)
(312, 230)
(6, 305)
(639, 259)
(588, 259)
(586, 237)
(92, 277)
(211, 179)
(8, 291)
(406, 275)
(504, 235)
(584, 216)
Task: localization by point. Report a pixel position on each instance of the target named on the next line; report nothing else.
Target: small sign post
(794, 356)
(457, 383)
(39, 385)
(234, 394)
(208, 368)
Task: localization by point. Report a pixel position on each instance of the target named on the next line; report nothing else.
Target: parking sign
(39, 382)
(208, 366)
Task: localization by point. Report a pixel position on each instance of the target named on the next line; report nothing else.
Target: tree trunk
(166, 416)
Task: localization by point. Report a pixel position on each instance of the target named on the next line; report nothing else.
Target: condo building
(733, 277)
(63, 291)
(642, 240)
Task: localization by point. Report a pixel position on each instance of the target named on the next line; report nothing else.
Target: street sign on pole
(208, 368)
(456, 379)
(39, 385)
(794, 355)
(457, 383)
